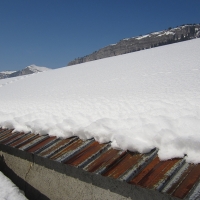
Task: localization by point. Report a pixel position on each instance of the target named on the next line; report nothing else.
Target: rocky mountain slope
(5, 74)
(172, 35)
(28, 70)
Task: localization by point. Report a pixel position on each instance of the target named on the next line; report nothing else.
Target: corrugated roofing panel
(193, 176)
(70, 150)
(104, 161)
(155, 172)
(13, 138)
(58, 145)
(87, 154)
(33, 142)
(37, 148)
(122, 165)
(5, 134)
(26, 138)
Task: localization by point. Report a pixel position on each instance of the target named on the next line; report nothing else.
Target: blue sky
(51, 33)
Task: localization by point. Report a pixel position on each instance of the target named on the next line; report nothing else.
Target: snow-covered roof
(138, 101)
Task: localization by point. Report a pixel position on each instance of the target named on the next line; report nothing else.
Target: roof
(174, 177)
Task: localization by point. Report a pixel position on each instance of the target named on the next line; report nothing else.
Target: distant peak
(32, 66)
(36, 68)
(27, 70)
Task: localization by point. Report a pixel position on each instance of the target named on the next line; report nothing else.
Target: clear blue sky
(51, 33)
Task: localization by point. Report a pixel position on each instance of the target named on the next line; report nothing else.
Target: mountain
(5, 74)
(155, 39)
(28, 70)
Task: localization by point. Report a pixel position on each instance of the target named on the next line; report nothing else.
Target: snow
(8, 190)
(156, 33)
(7, 72)
(167, 33)
(141, 37)
(6, 81)
(35, 68)
(138, 101)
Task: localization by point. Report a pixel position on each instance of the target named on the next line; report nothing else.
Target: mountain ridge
(27, 70)
(154, 39)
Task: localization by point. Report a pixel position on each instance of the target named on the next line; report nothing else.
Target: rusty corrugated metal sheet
(5, 134)
(85, 155)
(12, 139)
(42, 145)
(24, 140)
(174, 177)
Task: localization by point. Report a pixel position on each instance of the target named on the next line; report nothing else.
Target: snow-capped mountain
(28, 70)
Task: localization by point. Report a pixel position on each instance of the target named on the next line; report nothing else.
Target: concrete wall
(42, 178)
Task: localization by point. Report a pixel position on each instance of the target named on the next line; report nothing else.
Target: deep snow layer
(139, 101)
(8, 190)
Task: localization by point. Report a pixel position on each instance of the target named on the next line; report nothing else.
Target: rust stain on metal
(145, 171)
(5, 134)
(41, 144)
(33, 142)
(5, 131)
(187, 184)
(67, 149)
(13, 138)
(22, 140)
(56, 147)
(123, 165)
(153, 172)
(176, 183)
(104, 161)
(27, 141)
(85, 154)
(161, 171)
